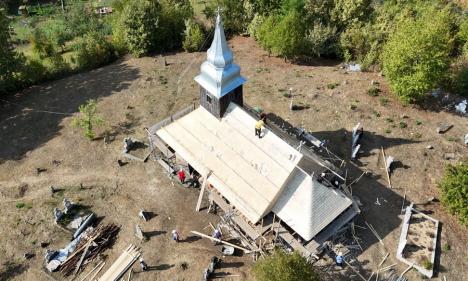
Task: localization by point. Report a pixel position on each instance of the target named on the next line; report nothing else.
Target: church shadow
(30, 118)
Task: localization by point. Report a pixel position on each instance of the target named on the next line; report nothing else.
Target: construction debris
(208, 272)
(139, 233)
(461, 107)
(92, 243)
(221, 241)
(388, 163)
(443, 127)
(143, 214)
(356, 136)
(129, 256)
(418, 241)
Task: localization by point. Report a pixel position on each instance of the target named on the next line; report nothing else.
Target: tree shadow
(32, 117)
(10, 270)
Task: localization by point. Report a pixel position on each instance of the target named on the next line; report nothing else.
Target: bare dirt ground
(135, 93)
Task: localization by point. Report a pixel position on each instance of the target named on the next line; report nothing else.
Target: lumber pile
(89, 248)
(122, 264)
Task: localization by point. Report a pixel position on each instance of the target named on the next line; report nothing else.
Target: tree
(287, 36)
(281, 266)
(416, 56)
(321, 40)
(171, 27)
(137, 26)
(42, 45)
(454, 187)
(194, 36)
(88, 118)
(10, 62)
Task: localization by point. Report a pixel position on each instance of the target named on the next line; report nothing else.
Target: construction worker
(143, 265)
(181, 175)
(175, 235)
(339, 259)
(217, 234)
(259, 126)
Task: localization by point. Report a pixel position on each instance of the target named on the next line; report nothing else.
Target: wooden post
(202, 190)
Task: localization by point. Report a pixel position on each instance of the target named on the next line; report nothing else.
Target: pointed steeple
(219, 54)
(218, 74)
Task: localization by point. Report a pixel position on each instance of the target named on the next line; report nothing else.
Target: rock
(68, 205)
(429, 147)
(404, 116)
(432, 199)
(443, 127)
(449, 156)
(44, 244)
(466, 138)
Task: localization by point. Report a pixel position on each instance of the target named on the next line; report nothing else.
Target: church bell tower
(219, 79)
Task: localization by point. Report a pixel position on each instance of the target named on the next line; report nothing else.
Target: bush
(281, 266)
(93, 50)
(416, 56)
(287, 36)
(194, 37)
(321, 40)
(454, 188)
(42, 45)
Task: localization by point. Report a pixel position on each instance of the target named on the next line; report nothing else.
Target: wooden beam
(221, 241)
(385, 167)
(92, 270)
(406, 270)
(384, 259)
(78, 265)
(202, 190)
(355, 271)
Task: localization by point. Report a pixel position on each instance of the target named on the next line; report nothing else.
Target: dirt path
(135, 93)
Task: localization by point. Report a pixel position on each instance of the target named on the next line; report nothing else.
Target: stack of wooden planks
(129, 256)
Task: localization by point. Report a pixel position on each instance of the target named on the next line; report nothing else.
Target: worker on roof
(260, 125)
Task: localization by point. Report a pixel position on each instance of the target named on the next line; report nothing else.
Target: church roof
(218, 74)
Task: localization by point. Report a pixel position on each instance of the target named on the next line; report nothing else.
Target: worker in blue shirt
(339, 259)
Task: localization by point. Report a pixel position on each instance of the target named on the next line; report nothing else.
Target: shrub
(88, 118)
(41, 44)
(93, 50)
(321, 40)
(254, 26)
(194, 36)
(416, 56)
(373, 91)
(454, 188)
(281, 266)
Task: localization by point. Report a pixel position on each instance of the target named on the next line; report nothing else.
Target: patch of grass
(376, 113)
(20, 205)
(446, 247)
(332, 85)
(418, 122)
(60, 193)
(388, 131)
(451, 139)
(373, 91)
(162, 80)
(417, 135)
(34, 242)
(427, 264)
(403, 125)
(383, 101)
